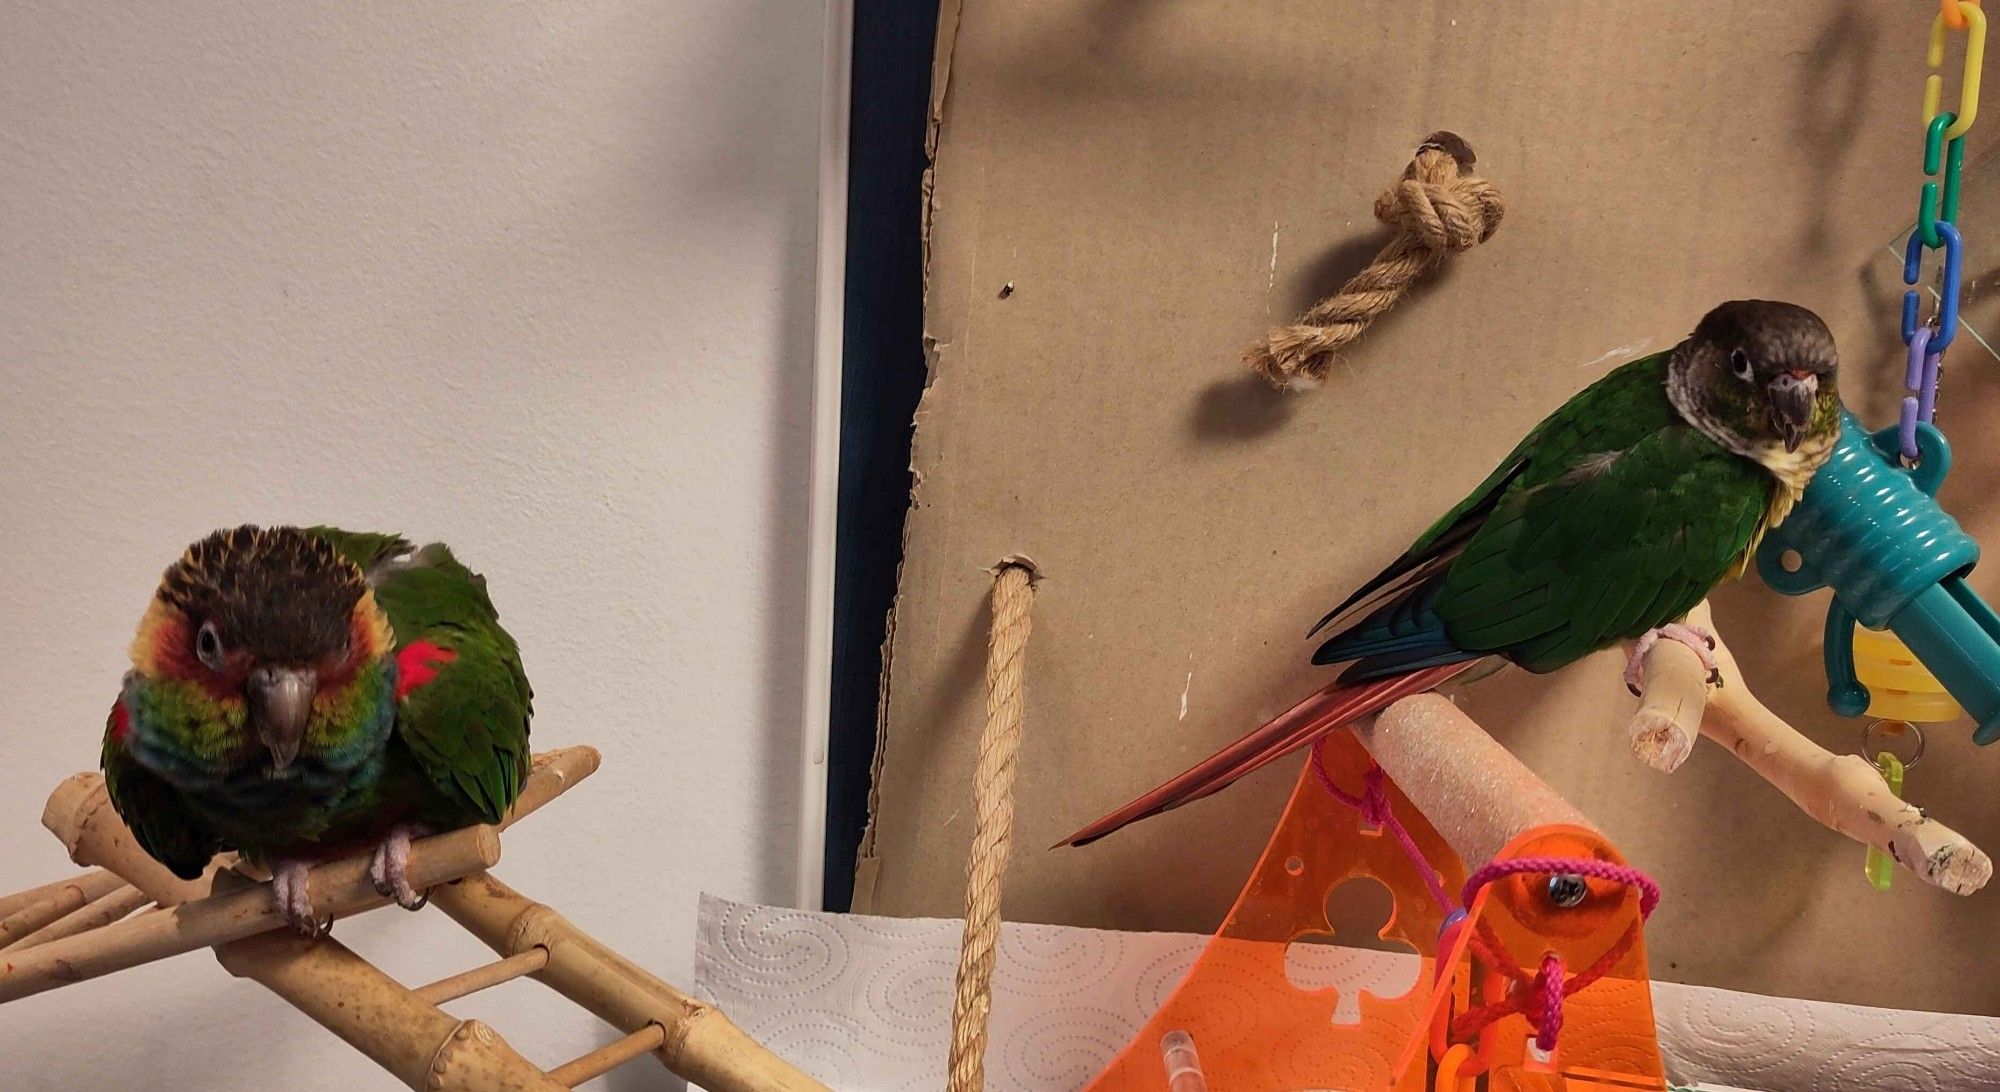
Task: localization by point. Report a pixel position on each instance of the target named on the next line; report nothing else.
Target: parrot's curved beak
(280, 704)
(1791, 396)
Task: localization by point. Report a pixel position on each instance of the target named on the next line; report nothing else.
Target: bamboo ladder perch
(82, 928)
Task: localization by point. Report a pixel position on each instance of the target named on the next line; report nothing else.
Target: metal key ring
(1876, 736)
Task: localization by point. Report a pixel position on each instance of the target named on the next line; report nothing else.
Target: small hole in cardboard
(1790, 561)
(1294, 866)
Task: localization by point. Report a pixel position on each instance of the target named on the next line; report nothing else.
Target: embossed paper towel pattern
(864, 1004)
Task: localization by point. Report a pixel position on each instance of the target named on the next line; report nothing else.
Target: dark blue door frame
(882, 377)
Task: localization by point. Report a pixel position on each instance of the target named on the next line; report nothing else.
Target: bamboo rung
(338, 889)
(95, 884)
(484, 977)
(701, 1044)
(609, 1056)
(104, 911)
(18, 925)
(419, 1045)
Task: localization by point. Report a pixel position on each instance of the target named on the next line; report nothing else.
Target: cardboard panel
(1161, 182)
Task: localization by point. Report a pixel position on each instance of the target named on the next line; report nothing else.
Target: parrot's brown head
(1758, 376)
(259, 645)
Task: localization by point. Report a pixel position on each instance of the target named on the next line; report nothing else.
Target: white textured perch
(1474, 792)
(1843, 792)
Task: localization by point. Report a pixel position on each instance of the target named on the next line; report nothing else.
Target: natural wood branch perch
(699, 1042)
(1843, 792)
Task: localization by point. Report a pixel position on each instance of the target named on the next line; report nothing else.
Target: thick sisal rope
(993, 818)
(1438, 207)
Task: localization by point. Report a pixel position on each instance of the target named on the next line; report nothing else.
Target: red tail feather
(1296, 727)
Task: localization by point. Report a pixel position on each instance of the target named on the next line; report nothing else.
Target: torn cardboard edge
(867, 865)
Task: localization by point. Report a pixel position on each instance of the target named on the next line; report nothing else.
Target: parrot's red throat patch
(417, 665)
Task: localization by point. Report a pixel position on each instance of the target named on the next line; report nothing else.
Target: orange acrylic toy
(1239, 1024)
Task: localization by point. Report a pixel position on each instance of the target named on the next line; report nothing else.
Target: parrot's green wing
(465, 700)
(1611, 518)
(1626, 540)
(160, 821)
(1626, 405)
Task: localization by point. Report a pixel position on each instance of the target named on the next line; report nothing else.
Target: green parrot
(298, 694)
(1610, 521)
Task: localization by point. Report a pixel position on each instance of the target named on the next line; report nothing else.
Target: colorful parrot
(1613, 518)
(300, 694)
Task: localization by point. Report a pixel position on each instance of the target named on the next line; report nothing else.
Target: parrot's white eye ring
(208, 647)
(1739, 362)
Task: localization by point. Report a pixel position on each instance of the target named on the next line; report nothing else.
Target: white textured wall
(532, 278)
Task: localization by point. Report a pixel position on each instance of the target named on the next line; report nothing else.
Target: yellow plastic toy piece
(1975, 56)
(1447, 1079)
(1899, 687)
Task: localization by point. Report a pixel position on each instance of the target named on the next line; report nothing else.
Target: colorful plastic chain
(1937, 215)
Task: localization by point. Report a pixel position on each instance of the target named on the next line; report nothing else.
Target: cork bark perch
(1843, 792)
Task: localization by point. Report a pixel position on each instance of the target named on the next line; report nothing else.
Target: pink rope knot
(1373, 804)
(1545, 1002)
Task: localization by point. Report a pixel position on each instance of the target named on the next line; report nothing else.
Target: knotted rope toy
(1437, 207)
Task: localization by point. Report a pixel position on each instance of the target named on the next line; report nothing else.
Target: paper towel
(864, 1005)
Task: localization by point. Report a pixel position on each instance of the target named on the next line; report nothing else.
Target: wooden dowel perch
(700, 1043)
(484, 977)
(1843, 792)
(608, 1057)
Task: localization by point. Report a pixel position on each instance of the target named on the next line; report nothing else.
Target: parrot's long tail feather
(1304, 723)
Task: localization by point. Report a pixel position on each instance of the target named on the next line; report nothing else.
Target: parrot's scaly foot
(289, 887)
(1700, 641)
(389, 868)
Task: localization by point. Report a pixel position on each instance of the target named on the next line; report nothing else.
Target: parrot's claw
(389, 868)
(289, 887)
(1698, 641)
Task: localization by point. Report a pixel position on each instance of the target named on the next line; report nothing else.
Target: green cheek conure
(1613, 518)
(300, 694)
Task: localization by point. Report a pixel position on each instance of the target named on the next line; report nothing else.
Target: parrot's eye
(208, 647)
(1739, 362)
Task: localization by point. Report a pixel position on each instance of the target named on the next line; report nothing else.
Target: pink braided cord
(1373, 804)
(1649, 891)
(1540, 999)
(1549, 1022)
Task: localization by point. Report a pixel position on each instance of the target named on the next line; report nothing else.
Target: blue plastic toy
(1871, 530)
